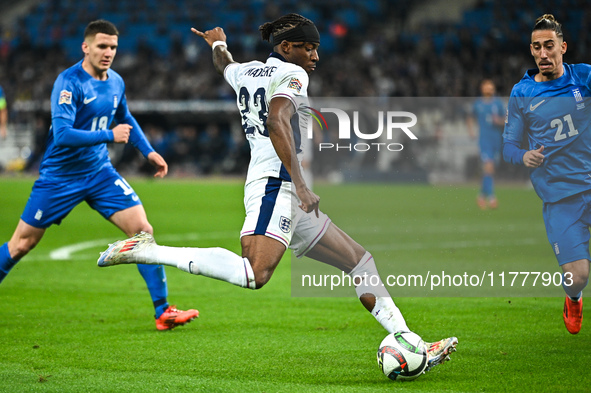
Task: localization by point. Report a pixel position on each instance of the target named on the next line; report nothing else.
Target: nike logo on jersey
(533, 107)
(89, 100)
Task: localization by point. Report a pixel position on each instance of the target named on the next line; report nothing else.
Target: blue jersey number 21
(559, 125)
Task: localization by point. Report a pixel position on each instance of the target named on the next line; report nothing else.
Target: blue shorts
(490, 150)
(567, 226)
(52, 199)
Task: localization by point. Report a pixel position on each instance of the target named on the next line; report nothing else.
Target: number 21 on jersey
(558, 124)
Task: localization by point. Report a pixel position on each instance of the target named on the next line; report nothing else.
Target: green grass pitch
(68, 326)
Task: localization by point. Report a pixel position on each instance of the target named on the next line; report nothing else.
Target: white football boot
(438, 352)
(127, 251)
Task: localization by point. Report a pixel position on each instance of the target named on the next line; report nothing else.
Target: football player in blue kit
(85, 100)
(489, 112)
(551, 107)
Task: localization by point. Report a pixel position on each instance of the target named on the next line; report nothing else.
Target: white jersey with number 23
(256, 84)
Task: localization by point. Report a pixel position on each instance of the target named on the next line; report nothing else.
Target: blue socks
(156, 280)
(6, 262)
(487, 186)
(576, 298)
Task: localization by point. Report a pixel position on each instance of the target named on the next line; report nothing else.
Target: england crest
(285, 224)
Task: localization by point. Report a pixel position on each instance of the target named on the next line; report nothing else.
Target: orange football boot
(173, 317)
(573, 315)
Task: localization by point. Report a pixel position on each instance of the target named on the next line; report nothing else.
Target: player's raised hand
(533, 158)
(211, 36)
(158, 162)
(121, 133)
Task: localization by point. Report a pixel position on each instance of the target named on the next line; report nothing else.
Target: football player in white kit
(281, 211)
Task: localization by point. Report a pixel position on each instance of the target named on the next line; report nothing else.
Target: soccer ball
(402, 356)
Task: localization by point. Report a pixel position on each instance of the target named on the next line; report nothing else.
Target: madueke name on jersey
(260, 71)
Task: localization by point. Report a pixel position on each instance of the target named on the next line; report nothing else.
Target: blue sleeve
(513, 133)
(136, 135)
(587, 76)
(66, 136)
(512, 153)
(65, 100)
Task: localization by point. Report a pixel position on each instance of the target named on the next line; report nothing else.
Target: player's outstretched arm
(278, 123)
(221, 56)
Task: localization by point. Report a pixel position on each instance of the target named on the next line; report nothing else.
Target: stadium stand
(368, 47)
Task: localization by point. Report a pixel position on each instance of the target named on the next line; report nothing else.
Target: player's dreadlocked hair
(283, 24)
(100, 26)
(548, 22)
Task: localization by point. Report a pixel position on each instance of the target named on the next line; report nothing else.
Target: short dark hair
(548, 22)
(100, 26)
(283, 24)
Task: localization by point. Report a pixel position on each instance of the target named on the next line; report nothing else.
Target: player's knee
(353, 259)
(578, 281)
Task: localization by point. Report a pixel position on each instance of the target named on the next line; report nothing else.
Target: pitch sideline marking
(65, 253)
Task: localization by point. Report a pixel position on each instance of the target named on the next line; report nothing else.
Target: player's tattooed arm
(221, 56)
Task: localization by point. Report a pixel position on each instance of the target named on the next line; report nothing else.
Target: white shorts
(272, 210)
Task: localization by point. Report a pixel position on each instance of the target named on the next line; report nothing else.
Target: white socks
(225, 265)
(367, 281)
(216, 262)
(388, 315)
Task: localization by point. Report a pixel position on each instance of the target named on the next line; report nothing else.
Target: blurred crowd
(367, 49)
